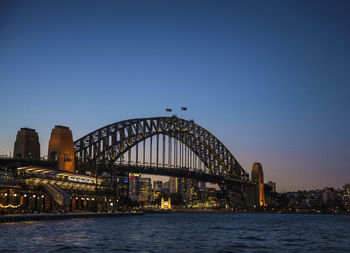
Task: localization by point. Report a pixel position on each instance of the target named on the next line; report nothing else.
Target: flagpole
(168, 109)
(183, 108)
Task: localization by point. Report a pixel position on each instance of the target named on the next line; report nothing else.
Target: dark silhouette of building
(61, 148)
(27, 144)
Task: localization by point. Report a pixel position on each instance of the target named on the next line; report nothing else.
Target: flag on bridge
(184, 108)
(168, 109)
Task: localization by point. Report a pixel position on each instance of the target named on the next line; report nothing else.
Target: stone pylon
(258, 178)
(61, 148)
(27, 144)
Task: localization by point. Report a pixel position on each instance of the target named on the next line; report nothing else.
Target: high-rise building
(191, 187)
(174, 185)
(123, 186)
(145, 188)
(134, 185)
(184, 186)
(27, 144)
(258, 178)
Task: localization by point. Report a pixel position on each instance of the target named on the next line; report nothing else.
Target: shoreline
(68, 216)
(184, 210)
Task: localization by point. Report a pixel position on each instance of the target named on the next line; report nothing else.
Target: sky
(270, 79)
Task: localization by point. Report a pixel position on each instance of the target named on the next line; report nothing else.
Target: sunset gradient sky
(270, 79)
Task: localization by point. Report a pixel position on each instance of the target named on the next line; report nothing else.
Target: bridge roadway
(133, 168)
(172, 172)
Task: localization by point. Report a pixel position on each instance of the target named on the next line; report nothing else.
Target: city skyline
(267, 79)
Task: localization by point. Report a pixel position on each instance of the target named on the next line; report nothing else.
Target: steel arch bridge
(113, 141)
(191, 152)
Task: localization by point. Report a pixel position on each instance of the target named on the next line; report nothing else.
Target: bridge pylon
(61, 148)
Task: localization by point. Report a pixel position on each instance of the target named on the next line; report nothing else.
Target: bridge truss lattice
(185, 137)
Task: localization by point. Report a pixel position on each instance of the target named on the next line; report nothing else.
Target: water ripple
(182, 233)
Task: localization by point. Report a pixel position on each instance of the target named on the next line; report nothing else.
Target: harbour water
(182, 232)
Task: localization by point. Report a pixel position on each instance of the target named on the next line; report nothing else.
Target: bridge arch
(112, 141)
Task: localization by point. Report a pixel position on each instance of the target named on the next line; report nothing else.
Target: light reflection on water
(182, 233)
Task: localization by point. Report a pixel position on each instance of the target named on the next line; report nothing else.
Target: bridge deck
(136, 168)
(173, 172)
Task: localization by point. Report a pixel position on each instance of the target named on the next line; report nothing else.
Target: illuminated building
(188, 188)
(346, 197)
(61, 148)
(43, 187)
(174, 185)
(258, 178)
(123, 186)
(133, 186)
(27, 144)
(139, 188)
(179, 185)
(145, 188)
(36, 189)
(166, 204)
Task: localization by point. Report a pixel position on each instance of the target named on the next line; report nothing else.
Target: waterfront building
(207, 198)
(34, 189)
(165, 204)
(328, 196)
(47, 188)
(346, 197)
(27, 144)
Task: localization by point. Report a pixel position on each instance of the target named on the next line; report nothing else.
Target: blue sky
(269, 78)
